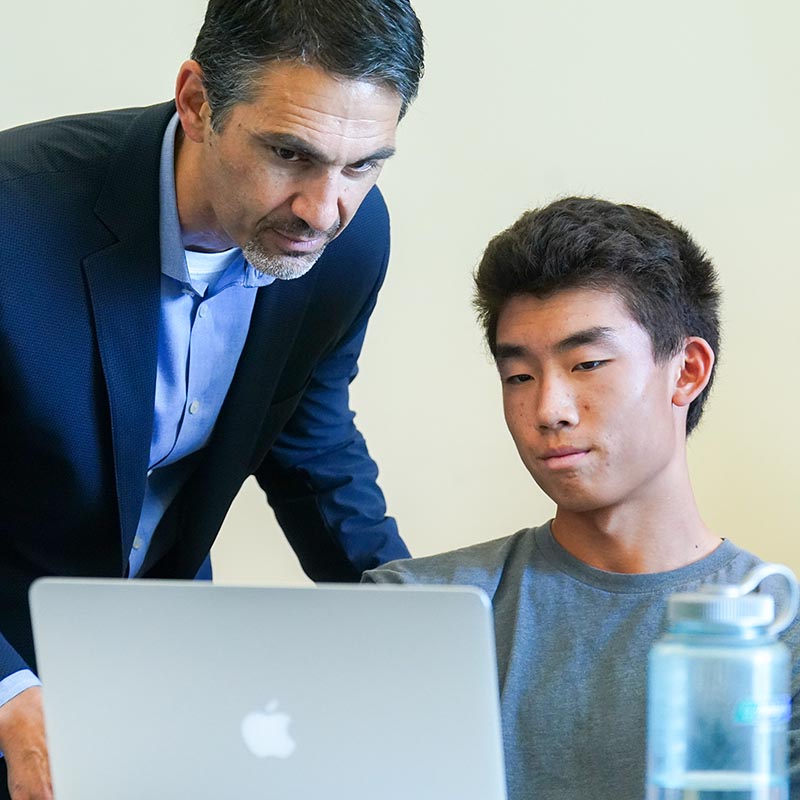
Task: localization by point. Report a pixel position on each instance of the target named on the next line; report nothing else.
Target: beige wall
(688, 107)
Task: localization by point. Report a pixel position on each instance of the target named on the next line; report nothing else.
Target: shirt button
(137, 542)
(194, 407)
(202, 311)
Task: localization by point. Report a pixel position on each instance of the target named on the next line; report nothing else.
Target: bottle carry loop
(752, 581)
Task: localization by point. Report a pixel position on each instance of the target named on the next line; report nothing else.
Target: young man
(164, 335)
(603, 321)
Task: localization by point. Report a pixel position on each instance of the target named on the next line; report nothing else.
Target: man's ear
(191, 101)
(694, 364)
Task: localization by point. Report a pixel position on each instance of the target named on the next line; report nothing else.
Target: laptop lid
(167, 689)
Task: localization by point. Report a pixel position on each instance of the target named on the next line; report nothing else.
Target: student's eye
(286, 154)
(588, 366)
(514, 380)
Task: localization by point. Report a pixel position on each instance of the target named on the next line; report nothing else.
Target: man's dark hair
(666, 281)
(378, 41)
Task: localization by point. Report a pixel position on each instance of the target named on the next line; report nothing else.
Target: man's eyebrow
(506, 351)
(292, 142)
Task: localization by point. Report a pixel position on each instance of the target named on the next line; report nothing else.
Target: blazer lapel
(124, 283)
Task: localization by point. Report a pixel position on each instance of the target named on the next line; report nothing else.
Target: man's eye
(587, 366)
(285, 154)
(517, 379)
(362, 166)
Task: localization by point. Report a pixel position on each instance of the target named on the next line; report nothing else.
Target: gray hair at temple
(377, 41)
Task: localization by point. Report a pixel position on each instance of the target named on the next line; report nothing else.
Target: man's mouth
(293, 236)
(297, 244)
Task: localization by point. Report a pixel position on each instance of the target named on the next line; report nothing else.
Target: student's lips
(563, 457)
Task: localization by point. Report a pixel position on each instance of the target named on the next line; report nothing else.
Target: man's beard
(287, 266)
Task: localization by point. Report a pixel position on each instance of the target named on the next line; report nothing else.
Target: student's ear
(191, 101)
(693, 370)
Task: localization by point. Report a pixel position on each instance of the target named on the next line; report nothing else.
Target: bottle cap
(725, 608)
(720, 612)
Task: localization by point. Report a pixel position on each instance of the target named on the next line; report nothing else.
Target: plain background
(690, 108)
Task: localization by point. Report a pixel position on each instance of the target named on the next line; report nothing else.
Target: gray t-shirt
(572, 647)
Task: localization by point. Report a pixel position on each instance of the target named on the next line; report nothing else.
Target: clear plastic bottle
(718, 695)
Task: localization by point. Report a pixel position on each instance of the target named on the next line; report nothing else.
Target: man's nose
(556, 405)
(318, 201)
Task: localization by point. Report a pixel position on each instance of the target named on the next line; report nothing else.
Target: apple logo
(266, 732)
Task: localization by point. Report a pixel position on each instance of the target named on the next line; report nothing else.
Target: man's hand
(22, 740)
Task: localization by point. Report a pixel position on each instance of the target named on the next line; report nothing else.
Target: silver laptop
(187, 691)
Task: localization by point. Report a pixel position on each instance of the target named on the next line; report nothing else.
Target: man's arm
(22, 739)
(22, 733)
(11, 661)
(319, 476)
(322, 482)
(14, 684)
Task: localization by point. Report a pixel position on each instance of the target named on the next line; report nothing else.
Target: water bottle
(718, 695)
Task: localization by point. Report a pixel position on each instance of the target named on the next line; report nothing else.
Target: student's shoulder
(476, 565)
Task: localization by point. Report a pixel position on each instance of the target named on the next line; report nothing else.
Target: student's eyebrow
(598, 333)
(291, 142)
(507, 351)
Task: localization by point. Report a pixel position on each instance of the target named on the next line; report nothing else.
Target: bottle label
(750, 712)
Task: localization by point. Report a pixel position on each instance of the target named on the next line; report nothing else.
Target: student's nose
(556, 406)
(319, 201)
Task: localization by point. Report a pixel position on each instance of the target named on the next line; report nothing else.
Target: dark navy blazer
(79, 309)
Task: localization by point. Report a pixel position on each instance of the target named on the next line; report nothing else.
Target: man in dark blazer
(164, 335)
